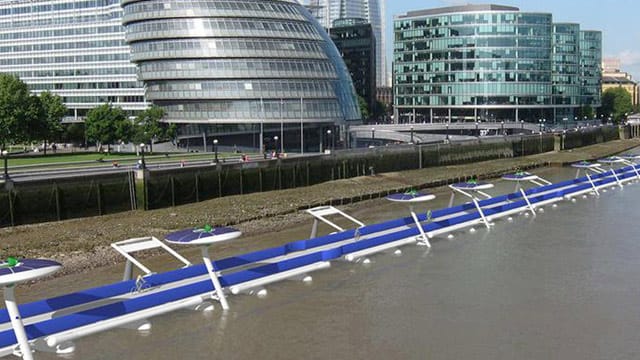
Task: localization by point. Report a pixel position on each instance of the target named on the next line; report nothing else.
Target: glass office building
(567, 88)
(590, 67)
(490, 63)
(224, 66)
(373, 11)
(73, 48)
(356, 42)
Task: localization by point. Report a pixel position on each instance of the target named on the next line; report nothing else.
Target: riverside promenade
(84, 243)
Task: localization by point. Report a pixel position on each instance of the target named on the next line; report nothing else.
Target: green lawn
(120, 158)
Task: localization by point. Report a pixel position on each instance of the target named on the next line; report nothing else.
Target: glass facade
(590, 67)
(73, 48)
(244, 61)
(327, 11)
(567, 87)
(486, 62)
(355, 40)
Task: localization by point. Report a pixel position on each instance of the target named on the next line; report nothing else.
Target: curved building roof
(241, 61)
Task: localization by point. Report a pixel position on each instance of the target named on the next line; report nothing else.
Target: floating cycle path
(51, 324)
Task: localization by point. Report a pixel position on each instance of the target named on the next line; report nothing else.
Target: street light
(329, 140)
(447, 125)
(412, 134)
(5, 155)
(215, 149)
(142, 163)
(477, 133)
(522, 124)
(275, 138)
(502, 127)
(373, 133)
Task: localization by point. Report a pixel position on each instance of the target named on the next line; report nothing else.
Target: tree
(36, 127)
(106, 124)
(149, 128)
(147, 125)
(54, 109)
(587, 112)
(364, 108)
(616, 102)
(74, 133)
(379, 109)
(17, 110)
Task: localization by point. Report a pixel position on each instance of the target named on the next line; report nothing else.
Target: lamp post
(522, 124)
(411, 134)
(275, 138)
(5, 156)
(447, 133)
(329, 140)
(540, 125)
(373, 135)
(143, 165)
(502, 127)
(215, 149)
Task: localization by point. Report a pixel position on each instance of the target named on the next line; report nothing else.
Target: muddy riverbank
(81, 244)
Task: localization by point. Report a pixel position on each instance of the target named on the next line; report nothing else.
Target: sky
(617, 19)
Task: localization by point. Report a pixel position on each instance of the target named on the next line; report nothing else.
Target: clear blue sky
(617, 19)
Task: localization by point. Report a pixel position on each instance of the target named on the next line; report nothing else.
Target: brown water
(562, 286)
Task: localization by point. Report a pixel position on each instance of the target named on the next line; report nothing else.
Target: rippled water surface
(564, 285)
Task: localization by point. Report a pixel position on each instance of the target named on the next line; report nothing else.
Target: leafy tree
(586, 111)
(364, 107)
(17, 110)
(53, 109)
(74, 133)
(616, 101)
(106, 124)
(148, 126)
(379, 109)
(36, 127)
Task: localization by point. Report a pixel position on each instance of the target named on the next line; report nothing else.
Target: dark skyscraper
(356, 42)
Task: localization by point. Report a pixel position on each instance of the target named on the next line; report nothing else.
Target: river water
(564, 285)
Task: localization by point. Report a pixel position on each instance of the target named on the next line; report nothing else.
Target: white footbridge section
(52, 324)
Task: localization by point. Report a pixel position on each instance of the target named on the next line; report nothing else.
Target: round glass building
(221, 66)
(487, 63)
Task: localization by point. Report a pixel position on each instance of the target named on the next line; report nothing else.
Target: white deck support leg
(484, 219)
(540, 182)
(314, 229)
(16, 323)
(415, 219)
(617, 178)
(214, 277)
(533, 211)
(595, 188)
(128, 270)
